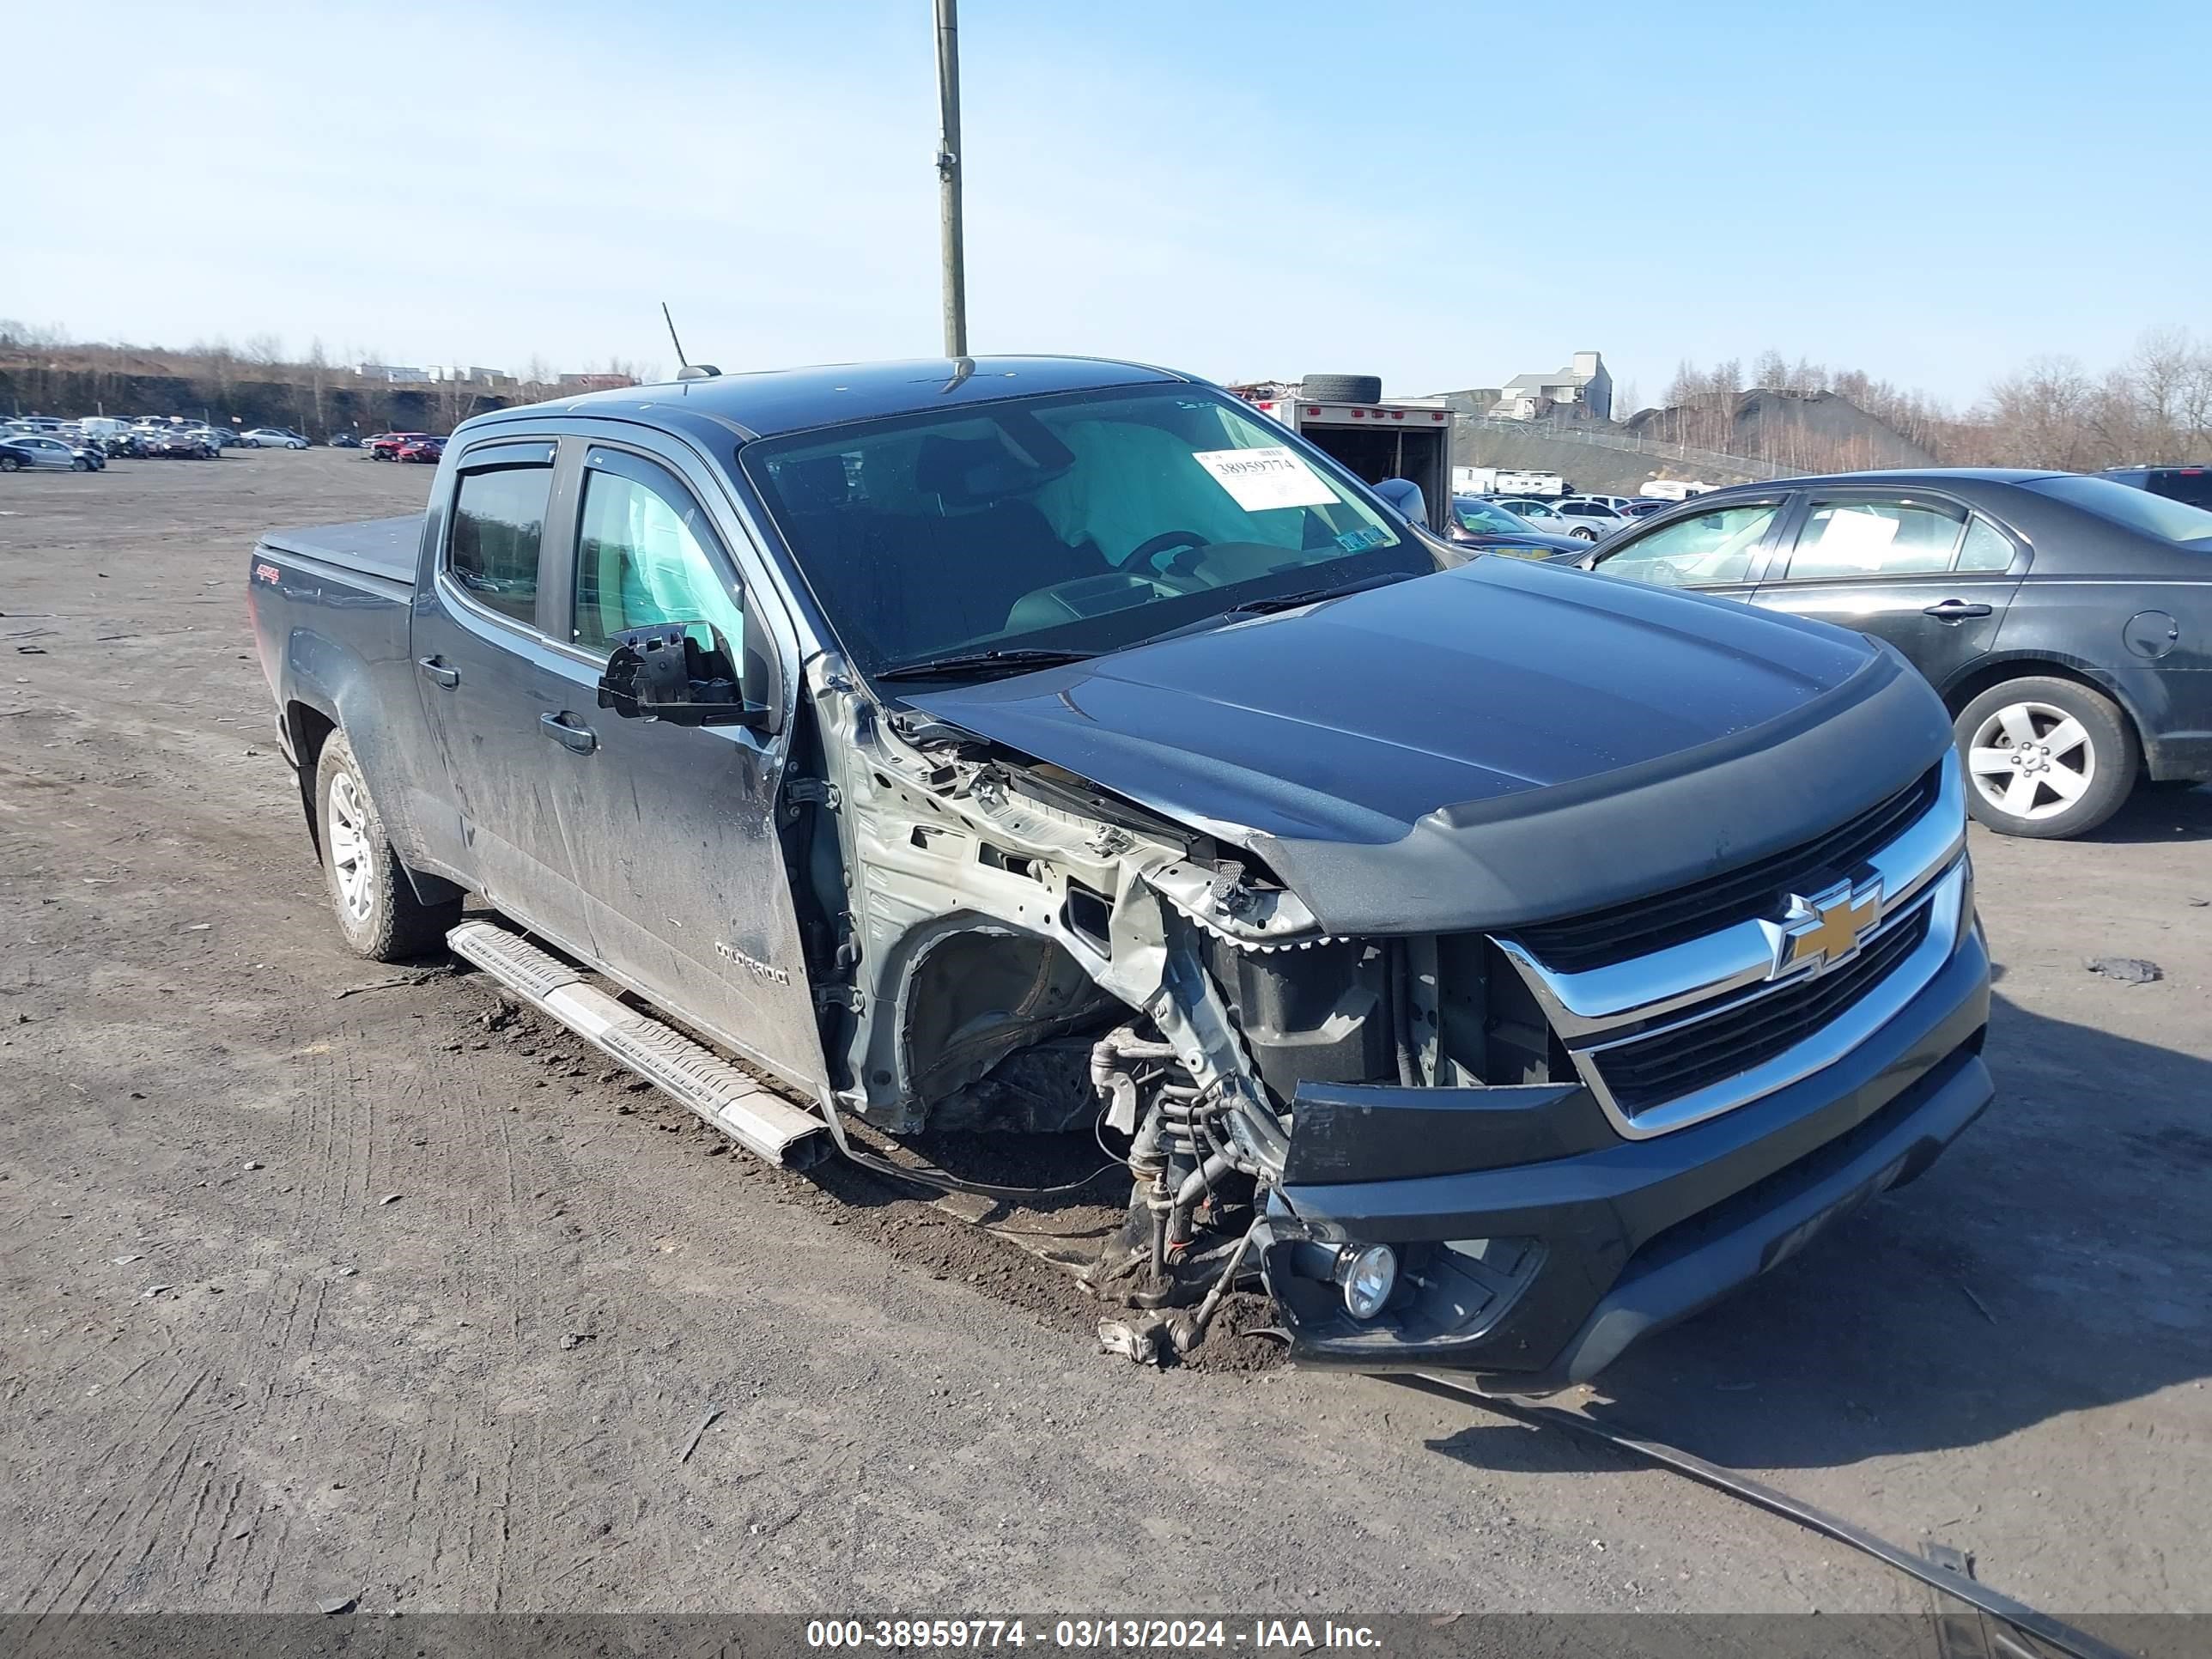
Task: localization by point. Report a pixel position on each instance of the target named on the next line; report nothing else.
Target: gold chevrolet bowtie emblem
(1823, 930)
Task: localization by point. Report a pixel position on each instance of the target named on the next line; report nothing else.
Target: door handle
(1955, 610)
(436, 669)
(578, 739)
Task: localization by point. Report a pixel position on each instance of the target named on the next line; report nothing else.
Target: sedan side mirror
(1405, 499)
(665, 672)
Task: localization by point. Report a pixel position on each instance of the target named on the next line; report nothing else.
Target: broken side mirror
(683, 672)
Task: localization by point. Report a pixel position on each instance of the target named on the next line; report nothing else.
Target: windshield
(1073, 523)
(1484, 519)
(2134, 509)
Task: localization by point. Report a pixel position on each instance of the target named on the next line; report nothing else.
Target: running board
(750, 1114)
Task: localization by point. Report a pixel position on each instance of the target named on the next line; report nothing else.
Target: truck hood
(1503, 742)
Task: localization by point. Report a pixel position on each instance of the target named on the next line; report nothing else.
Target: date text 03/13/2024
(1083, 1635)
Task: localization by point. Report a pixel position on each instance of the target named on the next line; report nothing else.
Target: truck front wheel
(375, 904)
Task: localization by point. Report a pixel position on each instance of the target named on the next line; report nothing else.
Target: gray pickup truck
(1498, 961)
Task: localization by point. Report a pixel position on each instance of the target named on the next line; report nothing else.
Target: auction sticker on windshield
(1258, 479)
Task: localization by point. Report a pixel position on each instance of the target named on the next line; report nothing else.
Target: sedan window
(2133, 509)
(1863, 537)
(1710, 547)
(1987, 548)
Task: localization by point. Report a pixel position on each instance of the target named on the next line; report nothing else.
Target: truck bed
(384, 548)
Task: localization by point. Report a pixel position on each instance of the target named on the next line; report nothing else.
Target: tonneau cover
(386, 547)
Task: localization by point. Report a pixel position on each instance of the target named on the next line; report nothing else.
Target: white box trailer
(1377, 440)
(1549, 485)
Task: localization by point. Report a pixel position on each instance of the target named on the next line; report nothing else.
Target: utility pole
(948, 177)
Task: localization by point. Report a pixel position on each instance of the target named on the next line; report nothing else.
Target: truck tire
(2045, 758)
(1342, 388)
(374, 902)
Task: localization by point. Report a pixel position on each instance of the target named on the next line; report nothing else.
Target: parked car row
(421, 447)
(1580, 518)
(113, 436)
(87, 445)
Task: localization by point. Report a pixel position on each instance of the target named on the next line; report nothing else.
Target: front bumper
(1535, 1276)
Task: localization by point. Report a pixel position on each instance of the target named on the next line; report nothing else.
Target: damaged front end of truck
(1498, 1091)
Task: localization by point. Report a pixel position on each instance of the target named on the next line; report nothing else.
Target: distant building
(1583, 383)
(468, 376)
(594, 382)
(392, 374)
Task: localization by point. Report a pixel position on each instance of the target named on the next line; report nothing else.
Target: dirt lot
(304, 1295)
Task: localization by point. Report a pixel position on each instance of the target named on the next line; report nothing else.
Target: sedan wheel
(9, 463)
(2045, 757)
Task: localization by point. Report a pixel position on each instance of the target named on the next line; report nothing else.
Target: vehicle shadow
(2166, 813)
(2053, 1260)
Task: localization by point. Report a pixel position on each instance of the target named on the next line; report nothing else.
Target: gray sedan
(31, 450)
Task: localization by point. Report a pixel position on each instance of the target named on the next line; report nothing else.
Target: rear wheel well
(1957, 695)
(310, 729)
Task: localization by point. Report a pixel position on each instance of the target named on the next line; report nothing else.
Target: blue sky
(1447, 194)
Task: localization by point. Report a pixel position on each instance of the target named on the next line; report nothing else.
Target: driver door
(1722, 550)
(673, 828)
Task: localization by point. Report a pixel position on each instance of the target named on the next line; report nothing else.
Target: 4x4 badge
(1821, 931)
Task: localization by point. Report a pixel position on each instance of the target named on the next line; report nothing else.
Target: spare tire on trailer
(1342, 388)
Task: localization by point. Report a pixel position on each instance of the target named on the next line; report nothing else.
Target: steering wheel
(1148, 552)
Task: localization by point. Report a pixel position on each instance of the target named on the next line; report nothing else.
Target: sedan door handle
(1955, 610)
(435, 667)
(578, 739)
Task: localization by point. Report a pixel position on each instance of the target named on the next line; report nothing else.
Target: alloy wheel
(2031, 760)
(349, 848)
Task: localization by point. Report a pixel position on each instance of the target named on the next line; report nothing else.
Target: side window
(499, 523)
(1712, 547)
(1868, 538)
(643, 556)
(1987, 548)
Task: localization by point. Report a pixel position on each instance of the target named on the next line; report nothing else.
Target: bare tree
(2042, 414)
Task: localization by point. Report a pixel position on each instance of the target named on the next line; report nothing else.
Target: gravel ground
(305, 1296)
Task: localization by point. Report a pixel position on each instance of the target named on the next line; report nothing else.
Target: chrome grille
(1689, 1027)
(1709, 1048)
(1637, 928)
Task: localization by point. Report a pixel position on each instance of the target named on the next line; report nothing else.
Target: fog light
(1368, 1277)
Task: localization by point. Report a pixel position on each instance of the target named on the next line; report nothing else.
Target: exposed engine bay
(992, 908)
